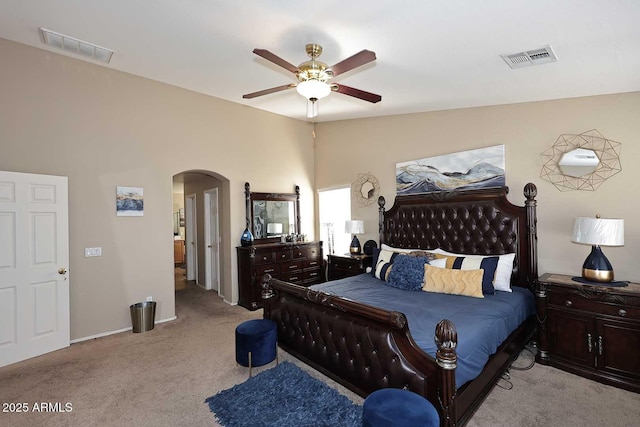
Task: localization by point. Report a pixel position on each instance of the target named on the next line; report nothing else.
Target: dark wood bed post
(447, 340)
(298, 222)
(381, 203)
(530, 192)
(247, 203)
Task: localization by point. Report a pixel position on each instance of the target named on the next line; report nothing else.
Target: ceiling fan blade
(360, 58)
(268, 91)
(276, 60)
(357, 93)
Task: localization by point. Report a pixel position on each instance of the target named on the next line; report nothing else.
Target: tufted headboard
(481, 222)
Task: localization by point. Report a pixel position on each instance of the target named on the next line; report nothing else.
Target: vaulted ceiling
(431, 55)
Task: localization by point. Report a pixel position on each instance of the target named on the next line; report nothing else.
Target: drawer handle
(622, 312)
(264, 258)
(284, 255)
(568, 303)
(313, 263)
(313, 274)
(293, 267)
(293, 278)
(270, 270)
(600, 345)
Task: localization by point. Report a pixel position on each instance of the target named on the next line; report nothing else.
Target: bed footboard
(363, 348)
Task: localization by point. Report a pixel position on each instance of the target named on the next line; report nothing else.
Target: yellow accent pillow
(450, 281)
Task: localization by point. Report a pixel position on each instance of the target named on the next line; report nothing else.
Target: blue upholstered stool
(392, 407)
(256, 343)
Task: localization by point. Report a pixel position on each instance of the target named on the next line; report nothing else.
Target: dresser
(341, 266)
(299, 263)
(590, 330)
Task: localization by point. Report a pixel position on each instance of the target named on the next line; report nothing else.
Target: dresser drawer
(346, 265)
(600, 303)
(295, 265)
(272, 269)
(282, 256)
(296, 277)
(298, 253)
(312, 252)
(311, 276)
(265, 257)
(312, 263)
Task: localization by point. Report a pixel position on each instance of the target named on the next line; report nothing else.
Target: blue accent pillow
(407, 272)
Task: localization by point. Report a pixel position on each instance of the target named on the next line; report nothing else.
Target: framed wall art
(129, 201)
(464, 170)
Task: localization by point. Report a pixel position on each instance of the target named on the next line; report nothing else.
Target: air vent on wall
(73, 45)
(530, 57)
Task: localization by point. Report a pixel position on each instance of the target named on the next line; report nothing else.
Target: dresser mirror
(270, 216)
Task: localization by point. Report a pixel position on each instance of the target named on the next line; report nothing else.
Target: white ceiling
(431, 54)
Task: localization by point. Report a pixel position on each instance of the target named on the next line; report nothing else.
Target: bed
(366, 347)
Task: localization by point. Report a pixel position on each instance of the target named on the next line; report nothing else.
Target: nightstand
(590, 330)
(347, 265)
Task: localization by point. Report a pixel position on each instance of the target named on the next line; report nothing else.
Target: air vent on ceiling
(79, 47)
(530, 57)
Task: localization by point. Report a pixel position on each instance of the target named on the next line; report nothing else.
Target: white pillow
(399, 250)
(439, 262)
(502, 280)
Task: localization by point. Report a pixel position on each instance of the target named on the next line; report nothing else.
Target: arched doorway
(201, 216)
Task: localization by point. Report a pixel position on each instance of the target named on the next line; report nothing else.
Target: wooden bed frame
(367, 348)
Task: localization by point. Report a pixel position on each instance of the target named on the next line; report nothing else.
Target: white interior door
(34, 258)
(212, 237)
(190, 231)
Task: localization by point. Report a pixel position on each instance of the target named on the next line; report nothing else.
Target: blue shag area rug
(284, 396)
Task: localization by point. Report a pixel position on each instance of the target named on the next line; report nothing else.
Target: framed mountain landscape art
(129, 201)
(465, 170)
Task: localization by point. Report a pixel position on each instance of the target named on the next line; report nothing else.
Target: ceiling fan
(313, 77)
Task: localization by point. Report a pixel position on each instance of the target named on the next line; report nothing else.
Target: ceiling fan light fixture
(313, 89)
(312, 108)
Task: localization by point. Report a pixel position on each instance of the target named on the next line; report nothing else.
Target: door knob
(62, 270)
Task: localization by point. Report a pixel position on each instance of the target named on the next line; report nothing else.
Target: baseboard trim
(117, 331)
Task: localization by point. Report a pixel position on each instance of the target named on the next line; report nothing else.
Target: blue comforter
(482, 323)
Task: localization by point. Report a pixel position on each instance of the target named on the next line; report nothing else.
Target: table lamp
(274, 228)
(598, 232)
(354, 227)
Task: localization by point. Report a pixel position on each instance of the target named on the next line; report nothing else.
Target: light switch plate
(91, 252)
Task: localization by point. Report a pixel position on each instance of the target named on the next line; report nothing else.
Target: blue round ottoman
(392, 407)
(256, 343)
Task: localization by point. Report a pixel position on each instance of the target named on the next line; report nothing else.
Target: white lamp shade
(355, 226)
(274, 228)
(313, 89)
(598, 231)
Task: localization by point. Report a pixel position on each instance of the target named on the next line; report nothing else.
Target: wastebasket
(143, 316)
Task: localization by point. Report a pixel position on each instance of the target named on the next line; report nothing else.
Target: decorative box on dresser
(341, 266)
(590, 330)
(299, 263)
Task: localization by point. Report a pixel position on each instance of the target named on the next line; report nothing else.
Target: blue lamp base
(354, 248)
(596, 267)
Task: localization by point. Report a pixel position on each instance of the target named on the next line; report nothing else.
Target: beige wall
(103, 128)
(375, 145)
